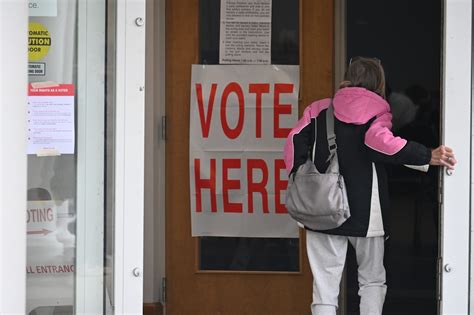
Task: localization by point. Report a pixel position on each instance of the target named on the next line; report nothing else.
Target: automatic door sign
(39, 41)
(36, 69)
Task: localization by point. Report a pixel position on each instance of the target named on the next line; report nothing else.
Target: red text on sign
(259, 89)
(50, 269)
(234, 88)
(39, 215)
(228, 184)
(253, 187)
(205, 184)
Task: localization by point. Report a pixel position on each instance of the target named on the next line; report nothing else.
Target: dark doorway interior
(406, 36)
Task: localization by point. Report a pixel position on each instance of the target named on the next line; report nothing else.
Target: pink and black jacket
(365, 143)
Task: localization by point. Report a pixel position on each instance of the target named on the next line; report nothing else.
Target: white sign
(240, 118)
(51, 120)
(36, 69)
(43, 7)
(41, 217)
(245, 32)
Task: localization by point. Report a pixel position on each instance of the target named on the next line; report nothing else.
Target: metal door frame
(456, 133)
(13, 102)
(129, 155)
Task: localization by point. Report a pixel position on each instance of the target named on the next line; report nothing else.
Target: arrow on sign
(43, 231)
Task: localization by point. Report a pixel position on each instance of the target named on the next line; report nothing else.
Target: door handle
(448, 268)
(136, 272)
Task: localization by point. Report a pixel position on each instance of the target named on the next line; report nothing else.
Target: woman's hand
(443, 156)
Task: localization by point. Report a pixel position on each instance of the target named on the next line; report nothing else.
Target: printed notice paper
(43, 7)
(245, 33)
(51, 119)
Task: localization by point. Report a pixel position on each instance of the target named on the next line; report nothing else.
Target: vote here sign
(239, 119)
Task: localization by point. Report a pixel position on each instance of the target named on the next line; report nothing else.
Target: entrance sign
(51, 120)
(239, 120)
(245, 32)
(49, 241)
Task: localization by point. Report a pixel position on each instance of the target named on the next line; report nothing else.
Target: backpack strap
(331, 135)
(330, 130)
(315, 139)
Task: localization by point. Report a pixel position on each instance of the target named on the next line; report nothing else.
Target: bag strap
(331, 135)
(330, 130)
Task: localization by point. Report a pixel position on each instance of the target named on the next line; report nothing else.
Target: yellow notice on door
(39, 41)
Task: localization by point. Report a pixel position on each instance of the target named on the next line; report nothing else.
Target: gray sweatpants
(327, 256)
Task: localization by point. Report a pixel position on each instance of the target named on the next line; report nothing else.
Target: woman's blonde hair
(367, 73)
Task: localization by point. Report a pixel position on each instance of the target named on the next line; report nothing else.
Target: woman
(364, 144)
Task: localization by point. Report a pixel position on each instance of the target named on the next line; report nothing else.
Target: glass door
(58, 98)
(82, 186)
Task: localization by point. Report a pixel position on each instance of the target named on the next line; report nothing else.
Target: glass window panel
(250, 254)
(67, 159)
(238, 253)
(285, 32)
(51, 179)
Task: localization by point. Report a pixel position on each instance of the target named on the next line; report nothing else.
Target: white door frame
(455, 223)
(129, 156)
(89, 283)
(13, 93)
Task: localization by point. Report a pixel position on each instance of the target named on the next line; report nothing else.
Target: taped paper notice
(46, 84)
(42, 7)
(48, 152)
(245, 32)
(51, 119)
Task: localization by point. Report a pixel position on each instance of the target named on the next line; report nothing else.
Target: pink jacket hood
(357, 106)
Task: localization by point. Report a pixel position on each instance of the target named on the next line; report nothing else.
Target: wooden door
(189, 289)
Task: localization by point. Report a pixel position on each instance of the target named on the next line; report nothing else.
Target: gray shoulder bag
(316, 200)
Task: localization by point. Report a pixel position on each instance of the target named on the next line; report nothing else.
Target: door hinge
(439, 277)
(163, 128)
(163, 290)
(440, 193)
(440, 186)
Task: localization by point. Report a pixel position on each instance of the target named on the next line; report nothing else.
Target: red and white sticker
(50, 120)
